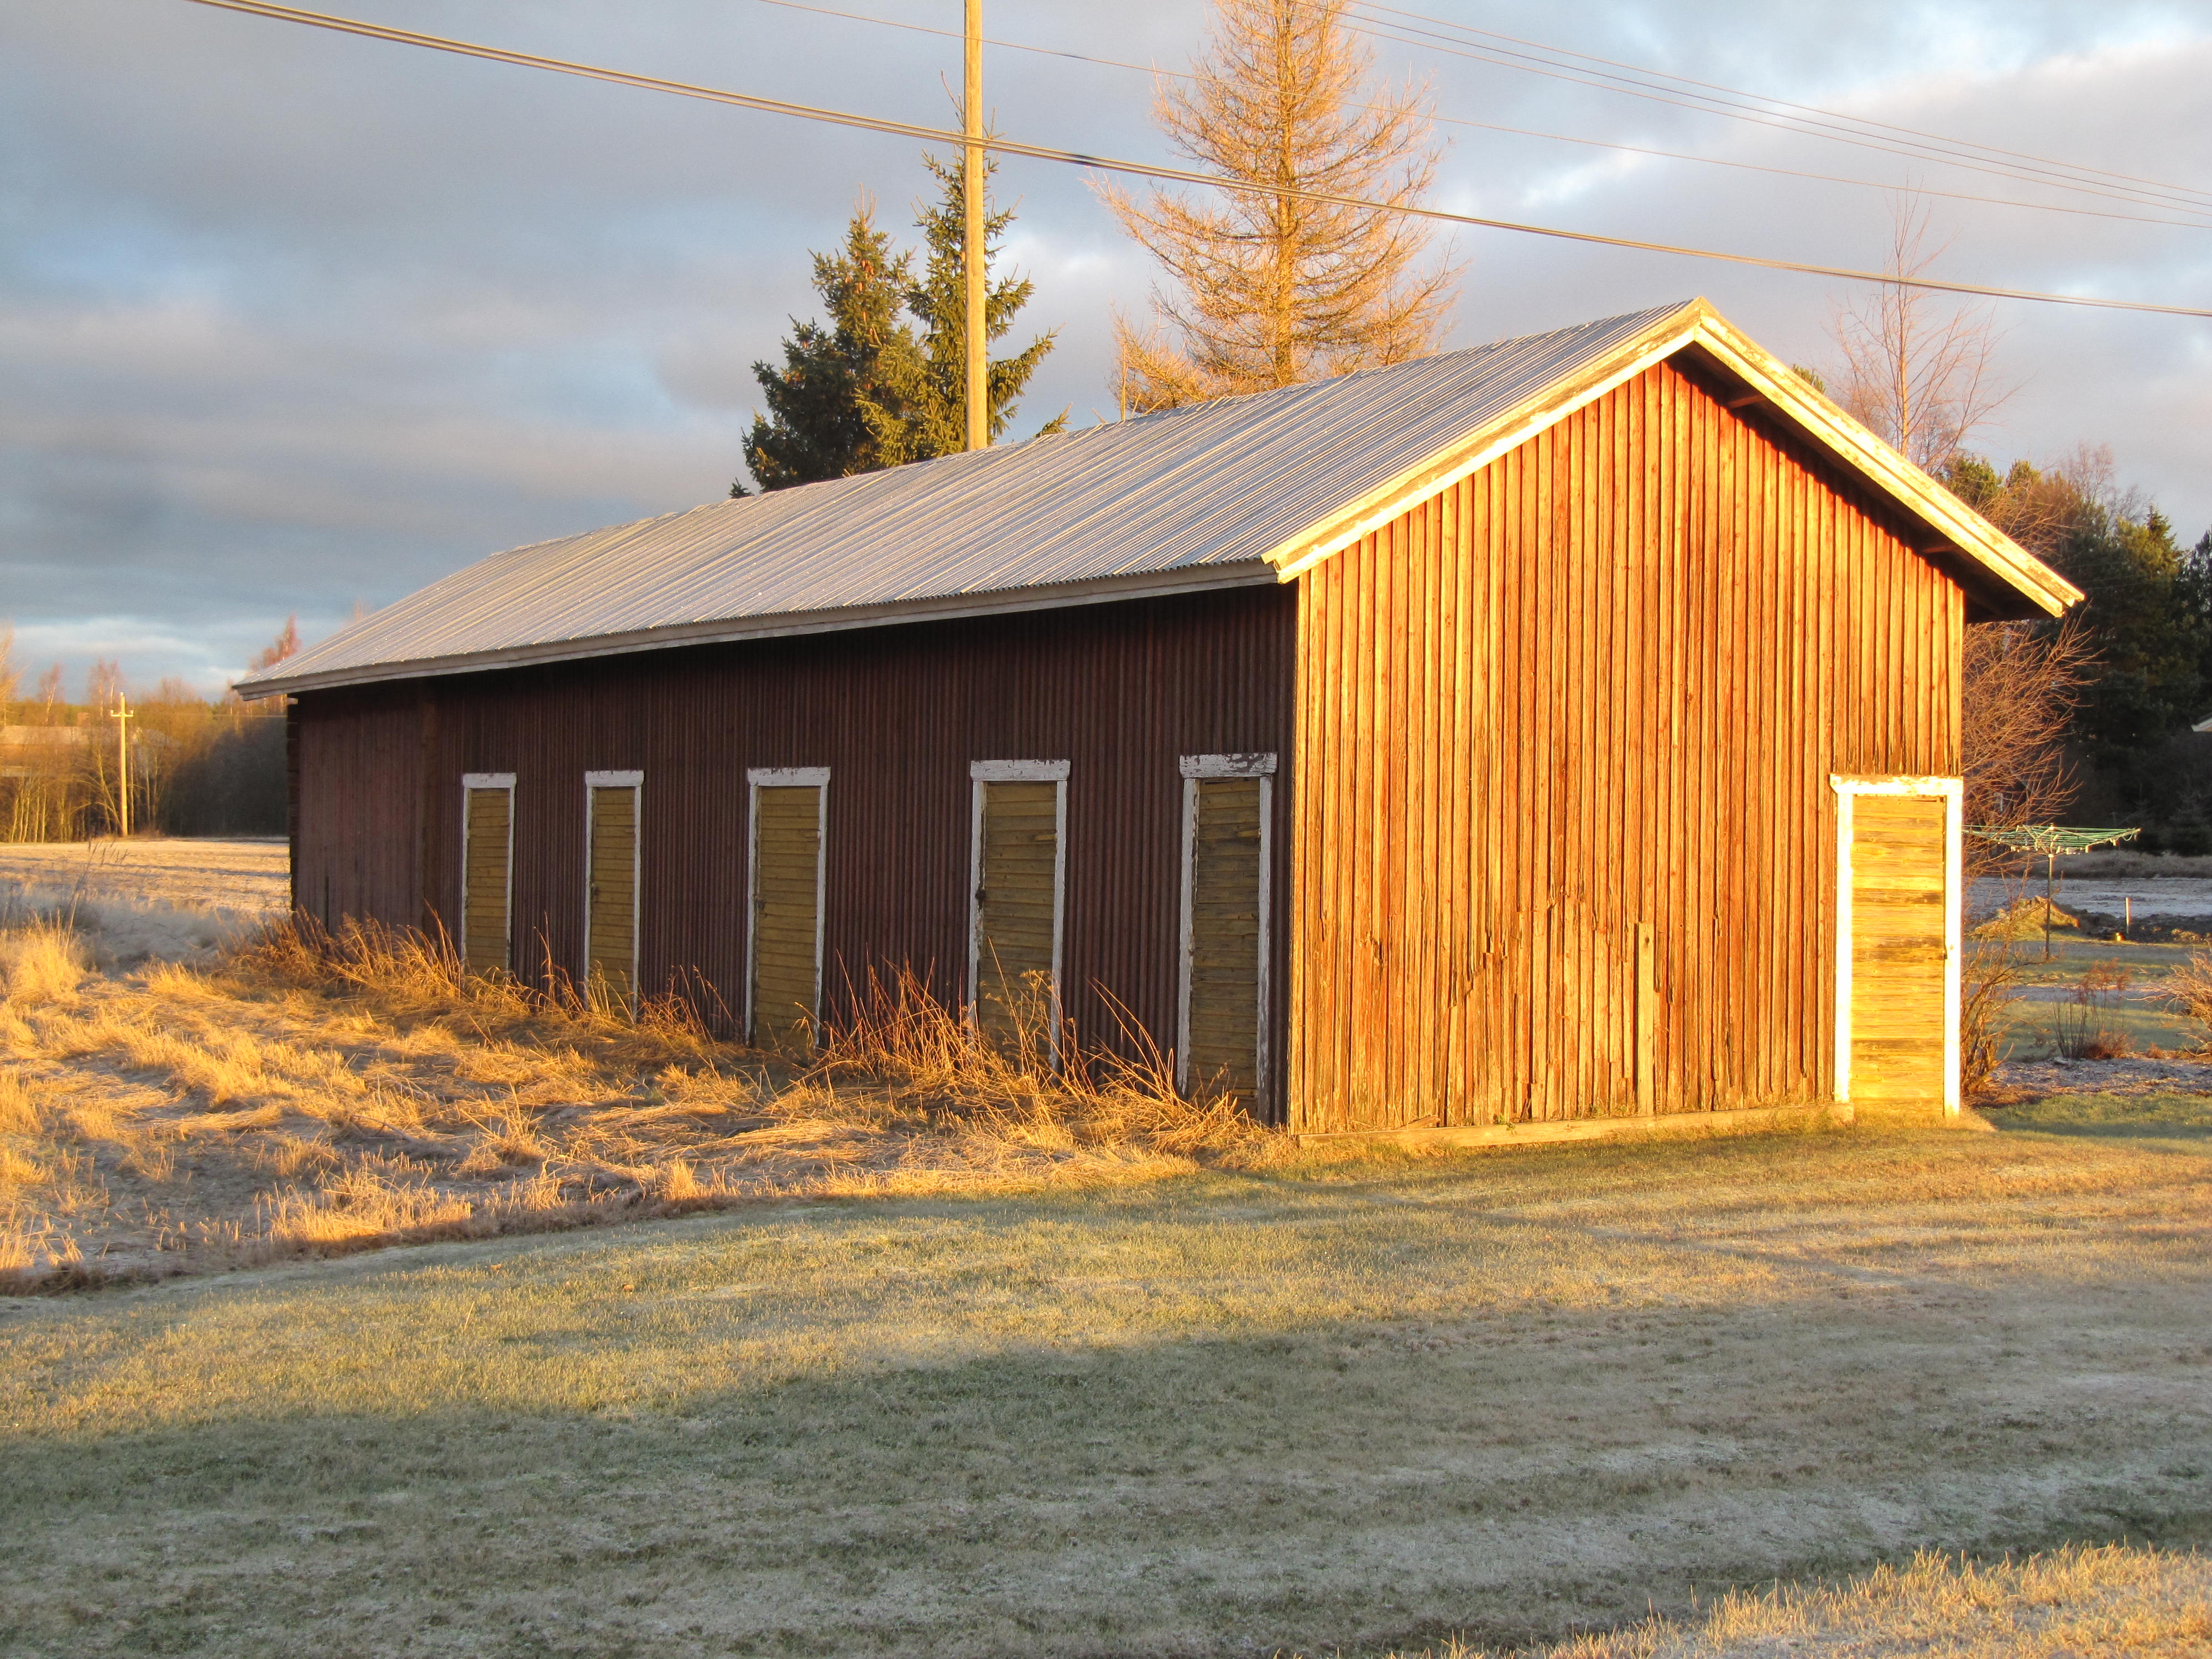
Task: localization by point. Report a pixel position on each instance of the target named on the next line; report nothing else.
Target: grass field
(249, 876)
(1355, 1406)
(951, 1361)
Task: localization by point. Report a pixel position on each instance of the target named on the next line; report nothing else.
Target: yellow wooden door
(1222, 960)
(1017, 918)
(612, 958)
(485, 885)
(1899, 952)
(787, 912)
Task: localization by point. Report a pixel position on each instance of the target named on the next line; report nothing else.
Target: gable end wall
(1603, 681)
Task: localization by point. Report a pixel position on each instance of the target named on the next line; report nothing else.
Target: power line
(1790, 124)
(1785, 103)
(1523, 132)
(1139, 169)
(1928, 146)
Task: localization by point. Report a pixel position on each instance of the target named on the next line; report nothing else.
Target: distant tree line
(190, 765)
(2143, 639)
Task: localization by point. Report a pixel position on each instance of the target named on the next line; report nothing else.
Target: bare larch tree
(1267, 288)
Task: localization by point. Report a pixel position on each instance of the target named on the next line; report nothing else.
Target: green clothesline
(2049, 839)
(2046, 837)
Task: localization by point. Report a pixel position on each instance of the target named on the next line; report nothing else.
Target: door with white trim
(1019, 865)
(1222, 1007)
(487, 871)
(1898, 898)
(611, 823)
(783, 946)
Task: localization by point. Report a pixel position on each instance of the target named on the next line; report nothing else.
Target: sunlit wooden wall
(1602, 682)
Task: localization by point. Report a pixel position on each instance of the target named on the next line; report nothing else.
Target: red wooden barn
(1565, 728)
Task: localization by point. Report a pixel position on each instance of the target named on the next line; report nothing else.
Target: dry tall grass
(309, 1093)
(42, 962)
(2129, 1603)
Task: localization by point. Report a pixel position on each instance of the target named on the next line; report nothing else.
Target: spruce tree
(817, 424)
(867, 391)
(934, 389)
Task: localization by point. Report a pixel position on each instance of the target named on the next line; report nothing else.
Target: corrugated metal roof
(1194, 495)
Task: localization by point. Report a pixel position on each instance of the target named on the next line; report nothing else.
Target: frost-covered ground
(139, 900)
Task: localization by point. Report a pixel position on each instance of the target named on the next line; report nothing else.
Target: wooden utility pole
(122, 717)
(972, 253)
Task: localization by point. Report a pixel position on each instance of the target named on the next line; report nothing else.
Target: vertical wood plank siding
(1602, 682)
(1121, 691)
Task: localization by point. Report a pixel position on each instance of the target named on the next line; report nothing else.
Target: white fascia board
(786, 777)
(1470, 455)
(1961, 528)
(613, 779)
(487, 780)
(1927, 500)
(1018, 771)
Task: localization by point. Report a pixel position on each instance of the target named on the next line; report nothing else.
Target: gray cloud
(289, 321)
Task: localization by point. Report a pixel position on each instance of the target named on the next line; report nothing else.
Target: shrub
(1985, 1000)
(2081, 1028)
(2191, 985)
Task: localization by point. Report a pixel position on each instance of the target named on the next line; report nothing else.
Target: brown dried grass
(312, 1093)
(42, 962)
(2116, 1599)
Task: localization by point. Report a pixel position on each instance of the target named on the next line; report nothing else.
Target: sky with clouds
(292, 323)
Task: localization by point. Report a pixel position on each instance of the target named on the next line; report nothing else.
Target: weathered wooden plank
(485, 942)
(1224, 993)
(1016, 907)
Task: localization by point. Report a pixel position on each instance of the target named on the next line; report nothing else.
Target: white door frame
(1953, 793)
(1193, 767)
(470, 782)
(983, 772)
(633, 780)
(758, 778)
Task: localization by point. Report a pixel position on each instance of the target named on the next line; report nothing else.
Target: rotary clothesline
(2049, 839)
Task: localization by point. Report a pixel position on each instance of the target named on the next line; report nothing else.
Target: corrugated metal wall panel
(1121, 691)
(1602, 682)
(357, 782)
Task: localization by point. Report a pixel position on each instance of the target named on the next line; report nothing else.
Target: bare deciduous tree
(1918, 369)
(2021, 683)
(103, 683)
(1267, 288)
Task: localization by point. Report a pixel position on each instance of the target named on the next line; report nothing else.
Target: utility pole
(122, 717)
(972, 253)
